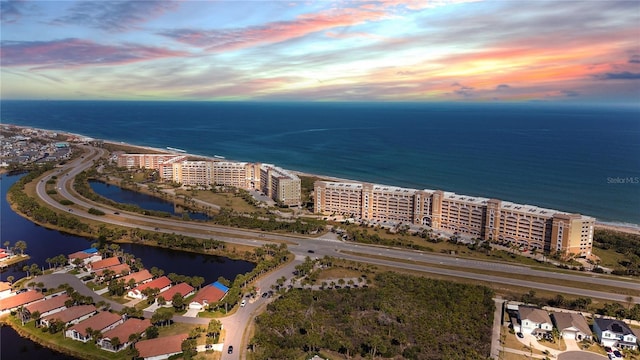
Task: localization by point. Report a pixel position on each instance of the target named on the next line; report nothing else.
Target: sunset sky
(387, 50)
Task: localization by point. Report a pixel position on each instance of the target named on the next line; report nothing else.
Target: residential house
(103, 321)
(103, 264)
(22, 299)
(613, 332)
(571, 325)
(534, 321)
(118, 270)
(161, 283)
(183, 289)
(208, 295)
(87, 256)
(72, 315)
(138, 278)
(5, 289)
(48, 306)
(161, 348)
(117, 338)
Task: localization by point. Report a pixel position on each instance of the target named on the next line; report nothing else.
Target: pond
(144, 201)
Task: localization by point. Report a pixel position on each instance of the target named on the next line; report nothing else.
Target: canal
(43, 243)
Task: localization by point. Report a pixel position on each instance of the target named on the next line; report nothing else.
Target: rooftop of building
(565, 320)
(182, 288)
(138, 276)
(48, 304)
(71, 313)
(210, 294)
(613, 325)
(20, 299)
(104, 263)
(117, 269)
(99, 321)
(161, 346)
(159, 283)
(533, 314)
(124, 330)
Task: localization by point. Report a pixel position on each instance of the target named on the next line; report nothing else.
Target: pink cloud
(233, 39)
(76, 52)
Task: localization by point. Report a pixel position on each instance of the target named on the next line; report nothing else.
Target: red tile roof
(48, 304)
(124, 330)
(182, 288)
(117, 269)
(161, 346)
(97, 322)
(160, 283)
(4, 285)
(104, 263)
(71, 313)
(138, 277)
(20, 299)
(209, 293)
(79, 255)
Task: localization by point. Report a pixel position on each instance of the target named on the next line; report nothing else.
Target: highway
(300, 245)
(236, 324)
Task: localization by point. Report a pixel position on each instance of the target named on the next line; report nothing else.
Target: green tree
(152, 332)
(177, 301)
(21, 246)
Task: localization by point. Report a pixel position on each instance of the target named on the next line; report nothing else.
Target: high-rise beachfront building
(146, 161)
(280, 185)
(477, 217)
(193, 173)
(238, 174)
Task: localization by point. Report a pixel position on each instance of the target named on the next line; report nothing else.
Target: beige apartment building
(193, 173)
(147, 161)
(238, 174)
(476, 217)
(280, 185)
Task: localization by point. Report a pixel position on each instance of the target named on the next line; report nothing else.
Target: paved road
(236, 324)
(330, 247)
(497, 327)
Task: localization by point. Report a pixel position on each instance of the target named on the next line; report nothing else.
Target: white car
(243, 303)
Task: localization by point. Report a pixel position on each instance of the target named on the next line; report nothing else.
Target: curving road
(335, 248)
(237, 323)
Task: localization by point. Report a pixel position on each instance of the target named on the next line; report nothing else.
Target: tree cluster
(363, 236)
(622, 243)
(401, 316)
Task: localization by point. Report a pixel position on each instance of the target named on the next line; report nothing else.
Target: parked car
(230, 350)
(243, 303)
(520, 335)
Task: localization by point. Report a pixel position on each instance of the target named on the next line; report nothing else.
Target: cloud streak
(115, 16)
(273, 32)
(73, 52)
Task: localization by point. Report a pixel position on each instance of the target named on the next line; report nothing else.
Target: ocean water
(583, 159)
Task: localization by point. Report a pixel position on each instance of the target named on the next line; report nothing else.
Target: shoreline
(629, 228)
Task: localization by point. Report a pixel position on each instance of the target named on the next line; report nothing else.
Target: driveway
(580, 355)
(572, 344)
